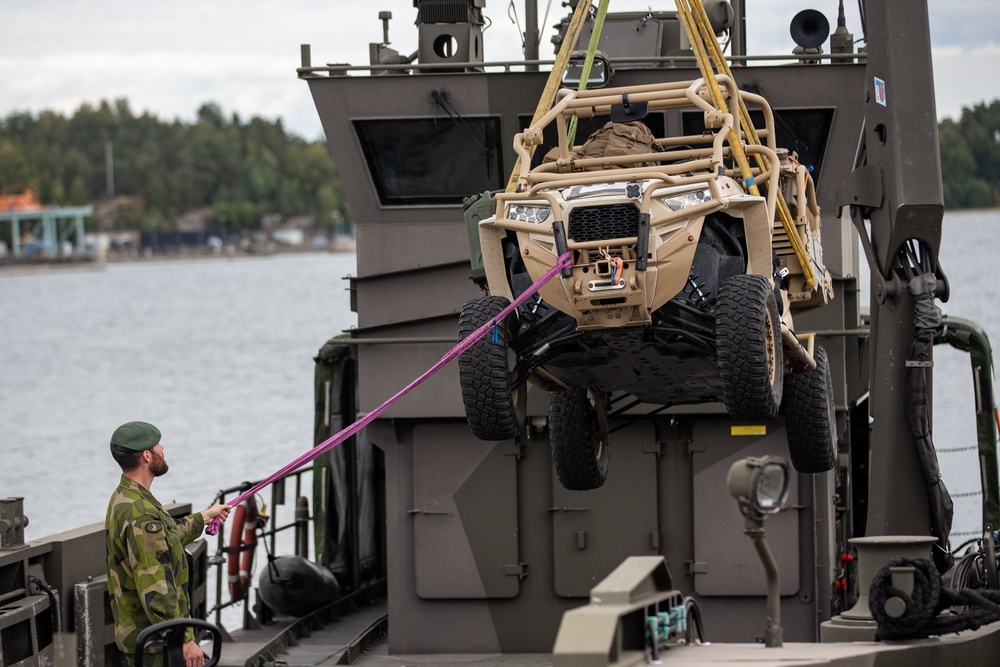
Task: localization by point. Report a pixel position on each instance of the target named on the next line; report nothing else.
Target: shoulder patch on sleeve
(153, 526)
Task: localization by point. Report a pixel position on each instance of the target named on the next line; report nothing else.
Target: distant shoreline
(9, 266)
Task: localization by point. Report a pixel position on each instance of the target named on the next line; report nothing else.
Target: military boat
(470, 521)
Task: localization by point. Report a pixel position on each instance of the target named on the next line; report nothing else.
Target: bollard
(302, 527)
(12, 522)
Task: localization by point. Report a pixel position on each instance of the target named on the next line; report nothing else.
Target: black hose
(53, 602)
(693, 613)
(652, 628)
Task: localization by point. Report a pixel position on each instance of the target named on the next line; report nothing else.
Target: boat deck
(360, 638)
(315, 640)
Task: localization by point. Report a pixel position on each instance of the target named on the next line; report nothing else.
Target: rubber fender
(295, 586)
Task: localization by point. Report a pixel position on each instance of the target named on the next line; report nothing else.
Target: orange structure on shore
(19, 199)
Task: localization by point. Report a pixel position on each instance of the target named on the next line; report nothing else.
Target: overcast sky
(168, 58)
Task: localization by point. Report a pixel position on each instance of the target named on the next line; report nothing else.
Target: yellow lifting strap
(706, 46)
(555, 78)
(588, 63)
(686, 10)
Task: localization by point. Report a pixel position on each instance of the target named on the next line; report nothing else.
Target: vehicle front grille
(597, 223)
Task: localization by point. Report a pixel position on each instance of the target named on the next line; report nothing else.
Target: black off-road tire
(494, 402)
(811, 417)
(749, 348)
(581, 447)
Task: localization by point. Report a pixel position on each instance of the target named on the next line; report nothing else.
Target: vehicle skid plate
(637, 361)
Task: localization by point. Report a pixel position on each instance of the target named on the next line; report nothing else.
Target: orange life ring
(242, 544)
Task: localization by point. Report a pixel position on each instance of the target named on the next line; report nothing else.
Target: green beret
(136, 436)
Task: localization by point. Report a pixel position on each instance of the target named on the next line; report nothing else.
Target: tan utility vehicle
(686, 272)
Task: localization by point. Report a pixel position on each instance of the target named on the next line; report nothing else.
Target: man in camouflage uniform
(147, 566)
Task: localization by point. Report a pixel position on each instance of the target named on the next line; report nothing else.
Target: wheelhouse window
(804, 131)
(432, 161)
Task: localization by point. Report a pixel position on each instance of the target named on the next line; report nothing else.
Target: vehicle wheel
(810, 417)
(494, 401)
(748, 347)
(578, 433)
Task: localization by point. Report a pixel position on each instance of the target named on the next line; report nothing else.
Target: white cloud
(169, 59)
(956, 83)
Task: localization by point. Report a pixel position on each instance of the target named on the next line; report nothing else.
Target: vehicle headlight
(688, 199)
(525, 213)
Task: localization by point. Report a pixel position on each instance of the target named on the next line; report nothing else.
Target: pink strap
(564, 261)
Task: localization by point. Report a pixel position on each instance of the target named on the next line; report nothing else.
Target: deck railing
(268, 535)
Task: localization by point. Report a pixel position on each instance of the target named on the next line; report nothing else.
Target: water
(218, 354)
(969, 248)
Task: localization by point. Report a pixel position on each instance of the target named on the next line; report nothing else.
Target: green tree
(970, 157)
(14, 166)
(963, 188)
(241, 170)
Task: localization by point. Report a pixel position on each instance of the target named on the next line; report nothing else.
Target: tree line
(241, 170)
(970, 157)
(246, 170)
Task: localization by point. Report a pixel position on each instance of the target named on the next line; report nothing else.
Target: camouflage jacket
(147, 566)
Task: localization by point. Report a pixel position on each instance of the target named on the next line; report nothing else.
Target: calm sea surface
(218, 354)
